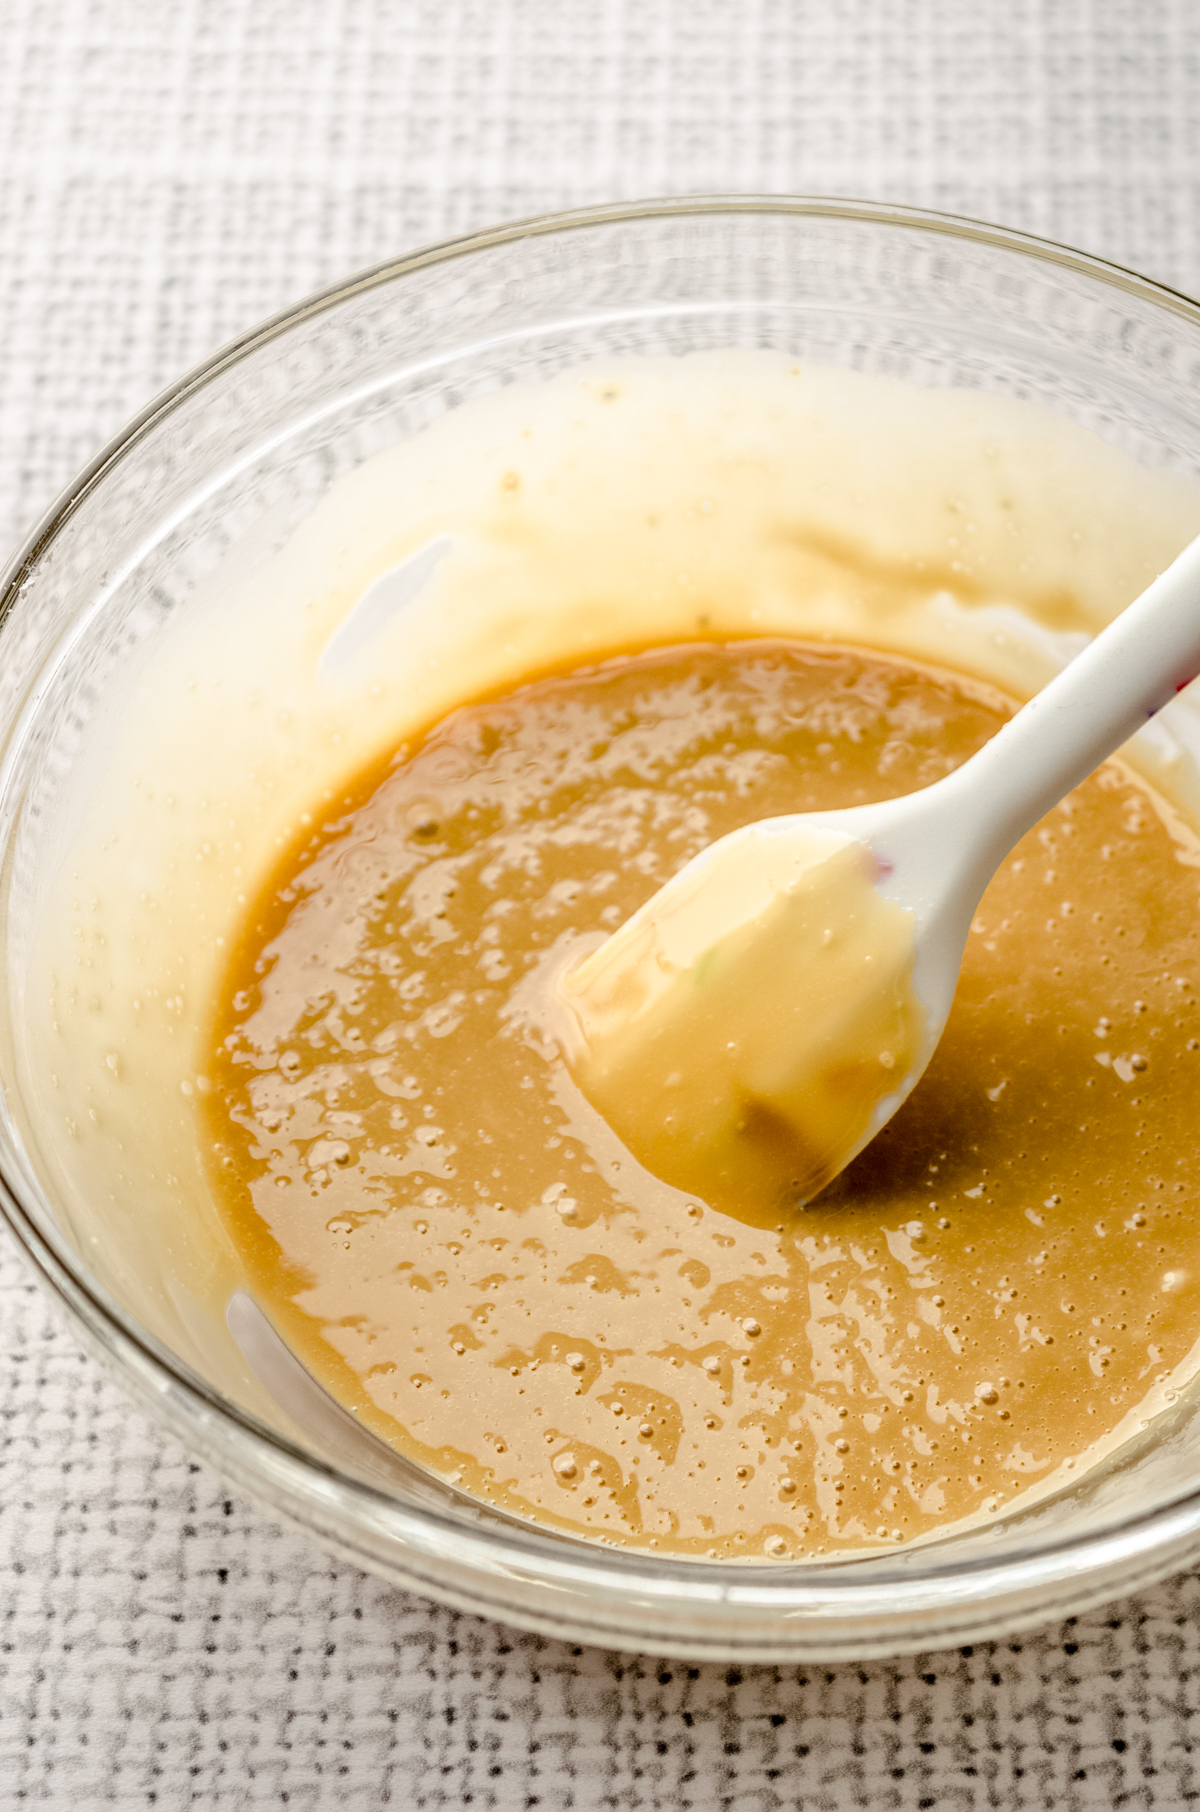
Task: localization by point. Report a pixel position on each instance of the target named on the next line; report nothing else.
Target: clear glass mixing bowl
(232, 459)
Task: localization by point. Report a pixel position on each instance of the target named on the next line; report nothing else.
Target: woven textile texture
(170, 172)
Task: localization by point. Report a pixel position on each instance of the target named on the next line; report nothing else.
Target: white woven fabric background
(170, 172)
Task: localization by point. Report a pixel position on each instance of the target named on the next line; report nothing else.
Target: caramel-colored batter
(454, 1241)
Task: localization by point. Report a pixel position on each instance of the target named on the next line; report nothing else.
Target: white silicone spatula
(685, 1032)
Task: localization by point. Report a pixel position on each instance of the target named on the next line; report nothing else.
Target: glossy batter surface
(454, 1241)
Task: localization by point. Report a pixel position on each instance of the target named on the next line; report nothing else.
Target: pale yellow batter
(743, 1029)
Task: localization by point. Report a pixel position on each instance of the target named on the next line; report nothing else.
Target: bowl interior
(157, 554)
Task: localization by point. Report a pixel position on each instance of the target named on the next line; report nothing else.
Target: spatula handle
(1110, 690)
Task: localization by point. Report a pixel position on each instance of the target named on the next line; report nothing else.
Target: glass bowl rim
(577, 1563)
